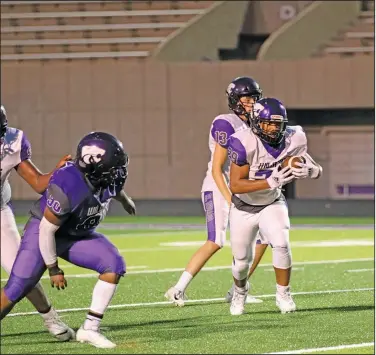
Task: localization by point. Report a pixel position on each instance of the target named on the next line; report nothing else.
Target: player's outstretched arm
(49, 224)
(126, 202)
(34, 177)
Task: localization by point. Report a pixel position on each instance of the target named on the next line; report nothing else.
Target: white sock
(283, 289)
(102, 295)
(49, 315)
(242, 290)
(184, 281)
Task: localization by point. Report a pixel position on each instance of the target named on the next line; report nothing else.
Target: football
(291, 162)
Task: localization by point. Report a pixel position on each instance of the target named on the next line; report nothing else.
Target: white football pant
(273, 223)
(10, 239)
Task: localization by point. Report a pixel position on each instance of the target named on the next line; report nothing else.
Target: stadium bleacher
(357, 39)
(90, 29)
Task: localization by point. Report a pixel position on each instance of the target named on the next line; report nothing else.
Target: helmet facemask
(274, 137)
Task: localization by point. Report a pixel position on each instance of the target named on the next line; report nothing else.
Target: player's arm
(219, 159)
(34, 177)
(49, 224)
(57, 209)
(221, 132)
(126, 202)
(240, 183)
(239, 172)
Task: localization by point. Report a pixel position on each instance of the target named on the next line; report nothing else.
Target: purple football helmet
(239, 87)
(101, 157)
(269, 110)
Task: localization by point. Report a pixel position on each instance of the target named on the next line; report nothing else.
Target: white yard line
(294, 269)
(128, 267)
(360, 270)
(204, 300)
(329, 348)
(212, 268)
(294, 244)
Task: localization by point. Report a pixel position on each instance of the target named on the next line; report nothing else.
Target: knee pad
(115, 264)
(17, 287)
(282, 257)
(240, 269)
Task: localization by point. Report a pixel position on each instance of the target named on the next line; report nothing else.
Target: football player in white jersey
(256, 181)
(242, 93)
(16, 154)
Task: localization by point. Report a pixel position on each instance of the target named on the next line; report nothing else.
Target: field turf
(333, 282)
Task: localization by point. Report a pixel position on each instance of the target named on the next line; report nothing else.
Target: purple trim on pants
(210, 215)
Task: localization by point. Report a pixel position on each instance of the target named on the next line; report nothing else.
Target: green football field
(333, 283)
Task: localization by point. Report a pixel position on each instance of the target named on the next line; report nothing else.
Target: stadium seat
(83, 27)
(358, 39)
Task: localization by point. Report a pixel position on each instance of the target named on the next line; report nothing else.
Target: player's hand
(130, 206)
(280, 178)
(306, 170)
(57, 278)
(63, 160)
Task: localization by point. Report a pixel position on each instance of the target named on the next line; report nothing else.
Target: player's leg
(243, 232)
(259, 253)
(260, 249)
(217, 211)
(97, 253)
(10, 244)
(275, 226)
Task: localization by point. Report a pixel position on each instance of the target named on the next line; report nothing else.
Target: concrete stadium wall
(161, 112)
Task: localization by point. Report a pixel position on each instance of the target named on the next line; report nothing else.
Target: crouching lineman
(256, 180)
(63, 223)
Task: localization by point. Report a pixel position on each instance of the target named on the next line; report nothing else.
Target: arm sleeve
(47, 243)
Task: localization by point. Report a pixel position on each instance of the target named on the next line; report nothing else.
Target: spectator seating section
(90, 29)
(358, 39)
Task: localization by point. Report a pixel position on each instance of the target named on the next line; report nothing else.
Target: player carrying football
(256, 181)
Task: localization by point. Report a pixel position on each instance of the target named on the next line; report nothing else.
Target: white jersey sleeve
(296, 141)
(222, 127)
(15, 148)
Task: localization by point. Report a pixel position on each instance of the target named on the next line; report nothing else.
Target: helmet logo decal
(257, 108)
(230, 87)
(92, 153)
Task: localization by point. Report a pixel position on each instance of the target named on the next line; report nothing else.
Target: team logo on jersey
(92, 210)
(264, 166)
(92, 153)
